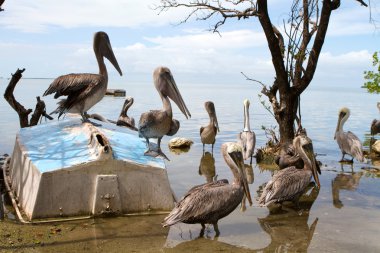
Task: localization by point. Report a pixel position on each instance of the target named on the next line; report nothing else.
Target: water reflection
(289, 230)
(207, 167)
(288, 233)
(344, 181)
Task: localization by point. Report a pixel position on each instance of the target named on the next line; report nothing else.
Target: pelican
(209, 202)
(124, 120)
(289, 157)
(84, 90)
(375, 125)
(157, 123)
(247, 139)
(348, 142)
(290, 183)
(209, 132)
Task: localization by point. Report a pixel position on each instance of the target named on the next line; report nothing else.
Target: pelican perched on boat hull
(124, 119)
(208, 203)
(247, 138)
(290, 183)
(84, 90)
(157, 123)
(348, 142)
(208, 133)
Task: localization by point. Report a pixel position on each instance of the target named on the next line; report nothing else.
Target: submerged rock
(180, 143)
(376, 147)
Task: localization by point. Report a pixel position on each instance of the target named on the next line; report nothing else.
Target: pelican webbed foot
(155, 153)
(85, 119)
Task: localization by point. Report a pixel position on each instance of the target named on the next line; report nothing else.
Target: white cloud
(350, 21)
(37, 15)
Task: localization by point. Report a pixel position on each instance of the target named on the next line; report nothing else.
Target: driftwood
(1, 3)
(19, 108)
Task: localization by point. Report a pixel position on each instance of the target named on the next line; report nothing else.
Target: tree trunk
(285, 116)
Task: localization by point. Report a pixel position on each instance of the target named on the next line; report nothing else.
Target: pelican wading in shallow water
(348, 142)
(209, 132)
(124, 119)
(290, 183)
(207, 203)
(247, 138)
(84, 90)
(157, 123)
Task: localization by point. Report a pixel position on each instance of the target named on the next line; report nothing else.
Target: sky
(52, 38)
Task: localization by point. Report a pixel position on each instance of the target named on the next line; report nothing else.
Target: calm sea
(344, 215)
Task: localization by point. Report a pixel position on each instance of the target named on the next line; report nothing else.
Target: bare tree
(294, 58)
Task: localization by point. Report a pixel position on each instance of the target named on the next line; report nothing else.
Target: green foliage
(372, 78)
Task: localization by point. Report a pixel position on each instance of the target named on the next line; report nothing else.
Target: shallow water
(343, 216)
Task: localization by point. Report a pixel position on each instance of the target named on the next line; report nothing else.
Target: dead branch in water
(19, 108)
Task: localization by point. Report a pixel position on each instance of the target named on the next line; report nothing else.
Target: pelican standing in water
(247, 139)
(84, 90)
(157, 123)
(208, 203)
(290, 183)
(348, 142)
(209, 132)
(124, 119)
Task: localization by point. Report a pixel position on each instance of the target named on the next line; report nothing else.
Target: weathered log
(19, 108)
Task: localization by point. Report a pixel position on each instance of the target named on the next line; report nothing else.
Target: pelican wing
(285, 185)
(201, 130)
(201, 202)
(81, 84)
(353, 146)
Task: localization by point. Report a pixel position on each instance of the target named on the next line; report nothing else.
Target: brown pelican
(375, 127)
(124, 120)
(84, 90)
(348, 142)
(209, 202)
(208, 132)
(157, 123)
(290, 183)
(288, 157)
(247, 139)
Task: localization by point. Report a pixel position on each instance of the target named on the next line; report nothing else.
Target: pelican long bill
(237, 157)
(175, 95)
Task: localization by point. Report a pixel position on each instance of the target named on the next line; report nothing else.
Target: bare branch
(20, 109)
(205, 9)
(362, 3)
(8, 95)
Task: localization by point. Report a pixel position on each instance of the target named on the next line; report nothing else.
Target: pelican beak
(174, 94)
(215, 119)
(341, 115)
(210, 108)
(314, 170)
(111, 57)
(237, 157)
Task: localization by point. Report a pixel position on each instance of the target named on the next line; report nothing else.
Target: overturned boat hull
(70, 169)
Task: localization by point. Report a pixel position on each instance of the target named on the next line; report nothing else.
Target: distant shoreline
(44, 78)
